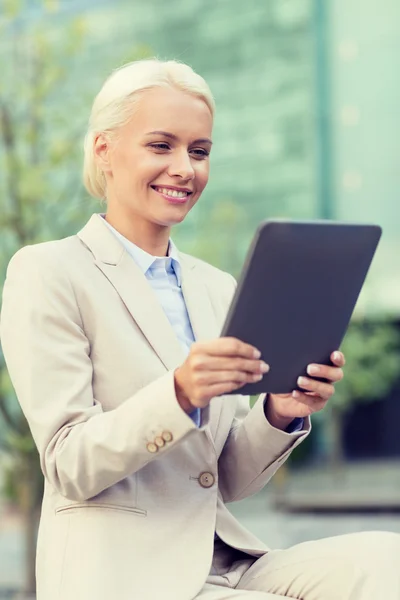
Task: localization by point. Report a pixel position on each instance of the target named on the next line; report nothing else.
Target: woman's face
(158, 167)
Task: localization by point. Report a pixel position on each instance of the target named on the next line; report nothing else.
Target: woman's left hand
(281, 409)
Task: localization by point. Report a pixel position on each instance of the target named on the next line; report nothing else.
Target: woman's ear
(101, 151)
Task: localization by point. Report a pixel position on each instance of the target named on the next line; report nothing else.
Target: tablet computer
(296, 294)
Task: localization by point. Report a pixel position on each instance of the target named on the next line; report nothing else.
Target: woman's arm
(253, 451)
(83, 450)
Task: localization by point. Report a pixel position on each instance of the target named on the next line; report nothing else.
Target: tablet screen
(296, 294)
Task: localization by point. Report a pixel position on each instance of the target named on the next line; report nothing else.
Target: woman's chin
(172, 218)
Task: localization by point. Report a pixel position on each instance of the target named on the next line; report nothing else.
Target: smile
(171, 193)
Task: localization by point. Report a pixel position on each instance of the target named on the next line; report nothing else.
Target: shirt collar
(143, 259)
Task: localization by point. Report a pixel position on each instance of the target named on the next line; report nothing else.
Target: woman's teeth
(172, 193)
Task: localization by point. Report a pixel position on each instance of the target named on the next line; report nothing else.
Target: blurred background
(307, 126)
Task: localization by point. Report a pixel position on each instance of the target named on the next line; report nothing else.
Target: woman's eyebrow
(174, 137)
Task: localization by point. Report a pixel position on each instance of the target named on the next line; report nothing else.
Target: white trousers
(360, 566)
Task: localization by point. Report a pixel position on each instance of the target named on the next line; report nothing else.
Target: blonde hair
(114, 104)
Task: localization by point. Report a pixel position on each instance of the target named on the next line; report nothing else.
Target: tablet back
(296, 294)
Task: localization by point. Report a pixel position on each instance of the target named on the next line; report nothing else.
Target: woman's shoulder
(48, 254)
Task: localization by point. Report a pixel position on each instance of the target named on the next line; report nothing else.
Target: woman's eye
(200, 152)
(160, 146)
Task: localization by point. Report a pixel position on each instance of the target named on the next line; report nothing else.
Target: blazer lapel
(134, 289)
(198, 303)
(205, 327)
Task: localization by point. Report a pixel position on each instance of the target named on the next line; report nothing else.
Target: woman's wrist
(181, 397)
(275, 419)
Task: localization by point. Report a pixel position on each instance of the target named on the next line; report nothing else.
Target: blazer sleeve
(83, 450)
(254, 450)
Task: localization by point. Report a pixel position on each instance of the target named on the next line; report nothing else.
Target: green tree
(41, 196)
(372, 350)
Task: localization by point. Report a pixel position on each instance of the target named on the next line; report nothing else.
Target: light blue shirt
(164, 275)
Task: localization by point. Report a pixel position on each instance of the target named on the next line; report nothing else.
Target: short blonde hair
(113, 105)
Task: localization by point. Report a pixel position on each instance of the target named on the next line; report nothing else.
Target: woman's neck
(149, 237)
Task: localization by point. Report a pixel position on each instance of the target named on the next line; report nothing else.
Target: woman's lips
(174, 197)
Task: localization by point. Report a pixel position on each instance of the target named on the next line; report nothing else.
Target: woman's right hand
(214, 368)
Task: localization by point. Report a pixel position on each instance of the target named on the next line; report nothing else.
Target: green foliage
(372, 350)
(11, 8)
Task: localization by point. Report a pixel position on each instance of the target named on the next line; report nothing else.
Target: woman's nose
(181, 166)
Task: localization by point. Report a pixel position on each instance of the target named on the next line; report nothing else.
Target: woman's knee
(376, 547)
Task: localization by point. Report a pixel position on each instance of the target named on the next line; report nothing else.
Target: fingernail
(296, 394)
(313, 369)
(256, 354)
(257, 377)
(337, 355)
(302, 381)
(264, 368)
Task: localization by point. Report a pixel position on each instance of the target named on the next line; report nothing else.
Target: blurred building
(307, 121)
(365, 59)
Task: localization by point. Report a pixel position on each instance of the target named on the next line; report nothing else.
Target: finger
(215, 377)
(203, 396)
(222, 363)
(338, 358)
(220, 388)
(229, 346)
(333, 374)
(310, 403)
(223, 388)
(325, 390)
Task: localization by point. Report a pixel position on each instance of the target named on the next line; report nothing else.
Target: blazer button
(206, 480)
(151, 447)
(159, 442)
(167, 436)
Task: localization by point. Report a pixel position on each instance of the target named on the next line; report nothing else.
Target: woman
(139, 448)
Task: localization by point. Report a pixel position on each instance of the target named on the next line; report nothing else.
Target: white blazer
(134, 491)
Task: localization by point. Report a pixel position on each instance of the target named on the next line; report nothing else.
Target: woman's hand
(214, 368)
(281, 409)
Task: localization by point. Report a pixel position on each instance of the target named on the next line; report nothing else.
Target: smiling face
(158, 166)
